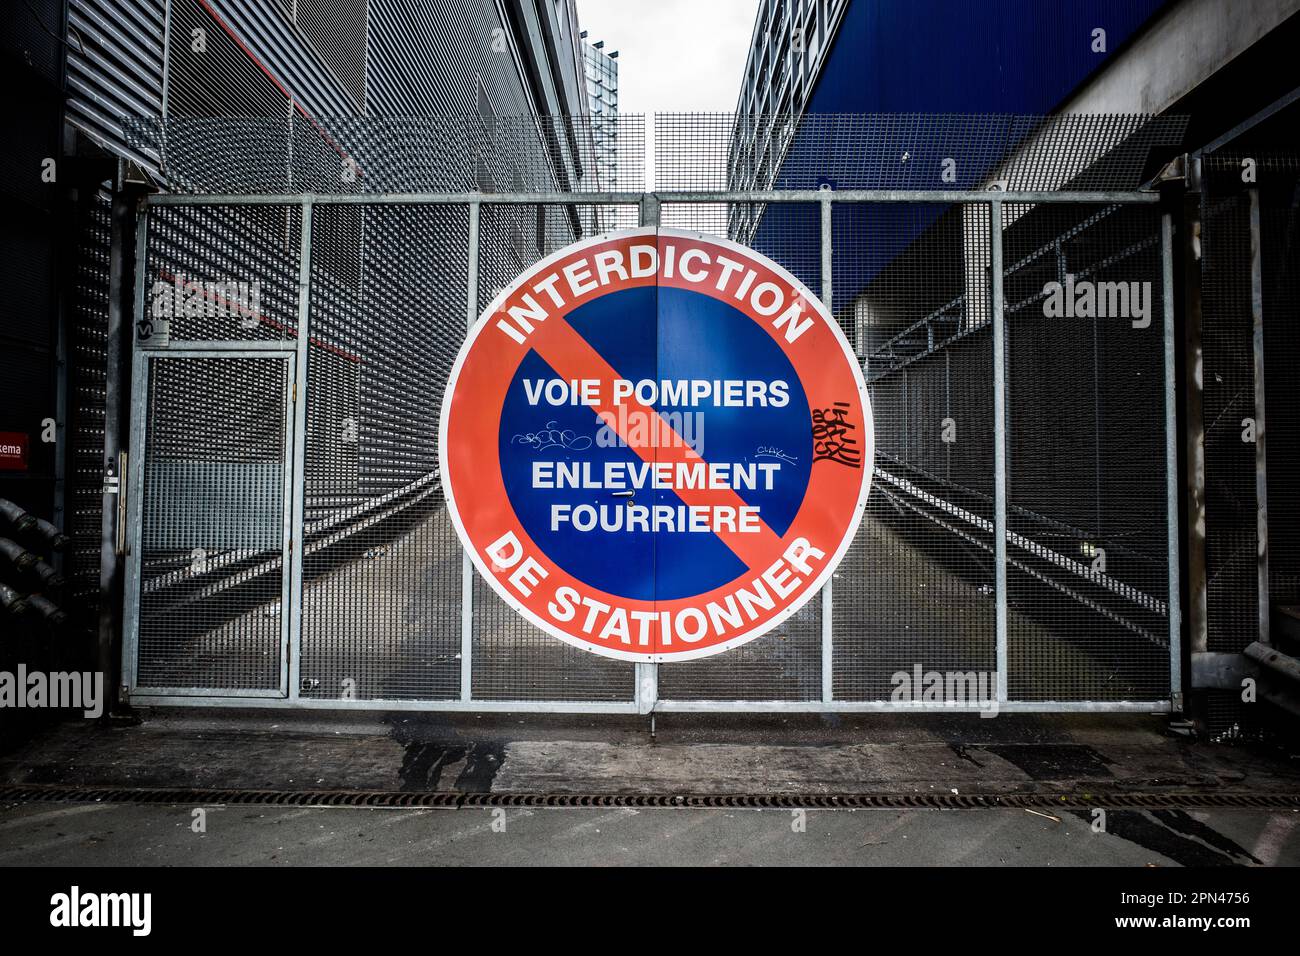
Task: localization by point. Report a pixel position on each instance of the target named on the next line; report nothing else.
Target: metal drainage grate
(49, 793)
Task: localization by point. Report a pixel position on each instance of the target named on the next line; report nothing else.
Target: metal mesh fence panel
(212, 532)
(711, 218)
(785, 663)
(916, 587)
(212, 529)
(910, 151)
(221, 274)
(1230, 401)
(383, 573)
(512, 237)
(381, 562)
(512, 659)
(1228, 406)
(1280, 241)
(1087, 571)
(351, 155)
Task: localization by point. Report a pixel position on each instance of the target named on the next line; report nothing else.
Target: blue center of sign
(656, 334)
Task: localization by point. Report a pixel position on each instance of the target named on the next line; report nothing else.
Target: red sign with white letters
(13, 451)
(656, 445)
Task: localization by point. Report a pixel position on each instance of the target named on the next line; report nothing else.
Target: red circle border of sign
(586, 249)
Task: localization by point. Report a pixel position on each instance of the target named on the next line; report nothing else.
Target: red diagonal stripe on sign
(572, 357)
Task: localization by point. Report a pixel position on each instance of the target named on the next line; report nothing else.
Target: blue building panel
(941, 56)
(981, 73)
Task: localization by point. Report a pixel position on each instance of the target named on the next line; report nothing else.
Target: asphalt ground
(690, 754)
(110, 834)
(1091, 789)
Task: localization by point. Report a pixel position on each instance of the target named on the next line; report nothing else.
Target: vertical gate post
(828, 602)
(467, 565)
(299, 483)
(999, 442)
(1261, 459)
(645, 690)
(120, 332)
(1194, 418)
(1171, 465)
(132, 483)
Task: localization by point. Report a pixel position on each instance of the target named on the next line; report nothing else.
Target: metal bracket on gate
(115, 484)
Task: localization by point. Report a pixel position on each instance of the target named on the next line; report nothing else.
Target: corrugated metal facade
(337, 29)
(348, 57)
(430, 34)
(115, 68)
(84, 509)
(321, 59)
(275, 48)
(302, 74)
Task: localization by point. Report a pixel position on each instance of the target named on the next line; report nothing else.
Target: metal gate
(289, 543)
(212, 536)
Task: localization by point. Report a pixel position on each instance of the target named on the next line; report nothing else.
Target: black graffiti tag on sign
(833, 438)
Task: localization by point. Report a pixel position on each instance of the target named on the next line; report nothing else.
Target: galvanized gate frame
(645, 695)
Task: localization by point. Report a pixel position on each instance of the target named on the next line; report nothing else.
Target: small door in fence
(211, 545)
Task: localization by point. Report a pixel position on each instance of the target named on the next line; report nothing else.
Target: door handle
(624, 494)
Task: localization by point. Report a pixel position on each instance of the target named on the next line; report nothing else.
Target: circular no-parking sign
(656, 445)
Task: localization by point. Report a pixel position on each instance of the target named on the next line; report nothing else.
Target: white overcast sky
(674, 55)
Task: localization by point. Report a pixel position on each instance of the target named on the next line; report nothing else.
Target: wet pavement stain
(423, 765)
(1172, 834)
(1185, 823)
(1053, 761)
(481, 766)
(961, 751)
